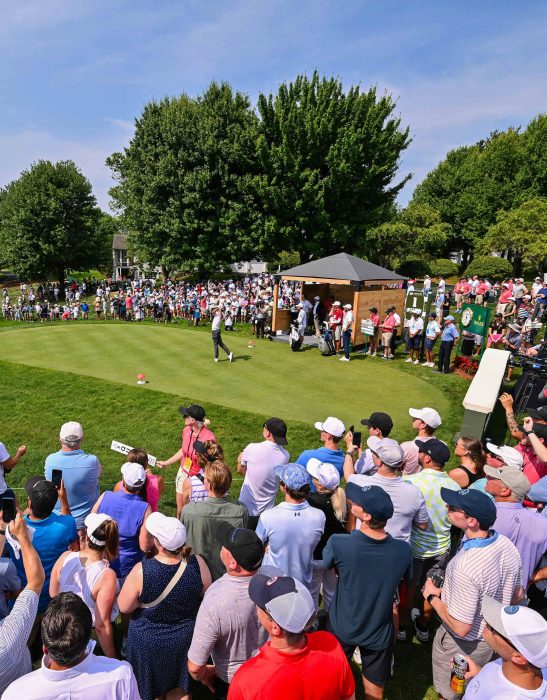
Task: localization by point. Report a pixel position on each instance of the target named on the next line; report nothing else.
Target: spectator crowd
(325, 558)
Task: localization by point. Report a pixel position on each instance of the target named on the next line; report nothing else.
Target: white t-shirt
(408, 503)
(291, 531)
(260, 485)
(96, 677)
(4, 456)
(491, 683)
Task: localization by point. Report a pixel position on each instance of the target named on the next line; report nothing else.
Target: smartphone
(357, 439)
(56, 476)
(8, 509)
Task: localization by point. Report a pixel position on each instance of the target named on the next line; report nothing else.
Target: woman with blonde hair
(472, 461)
(87, 573)
(331, 499)
(193, 489)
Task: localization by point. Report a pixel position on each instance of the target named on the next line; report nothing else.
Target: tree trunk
(61, 279)
(517, 266)
(165, 273)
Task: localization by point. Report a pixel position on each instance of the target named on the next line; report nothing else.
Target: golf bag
(326, 342)
(296, 342)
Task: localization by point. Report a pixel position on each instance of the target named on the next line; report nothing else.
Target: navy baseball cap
(436, 449)
(475, 503)
(372, 499)
(539, 413)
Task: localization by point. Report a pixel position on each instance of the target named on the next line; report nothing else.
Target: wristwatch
(527, 432)
(431, 596)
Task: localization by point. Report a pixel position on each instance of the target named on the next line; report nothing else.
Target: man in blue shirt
(332, 431)
(81, 472)
(370, 565)
(449, 335)
(52, 535)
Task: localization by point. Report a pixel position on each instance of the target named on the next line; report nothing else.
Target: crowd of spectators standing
(274, 593)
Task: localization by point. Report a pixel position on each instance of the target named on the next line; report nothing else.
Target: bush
(443, 267)
(284, 261)
(414, 268)
(489, 266)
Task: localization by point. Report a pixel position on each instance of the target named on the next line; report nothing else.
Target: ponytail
(339, 504)
(107, 532)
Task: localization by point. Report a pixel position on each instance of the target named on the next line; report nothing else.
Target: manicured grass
(87, 372)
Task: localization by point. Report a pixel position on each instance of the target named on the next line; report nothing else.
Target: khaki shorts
(337, 332)
(386, 338)
(180, 479)
(458, 297)
(446, 646)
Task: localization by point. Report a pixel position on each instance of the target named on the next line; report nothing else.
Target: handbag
(172, 583)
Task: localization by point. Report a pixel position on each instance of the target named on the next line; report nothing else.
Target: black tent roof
(342, 267)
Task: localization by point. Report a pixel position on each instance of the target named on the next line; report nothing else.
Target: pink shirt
(388, 324)
(188, 439)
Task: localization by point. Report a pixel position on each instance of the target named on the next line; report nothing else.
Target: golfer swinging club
(217, 338)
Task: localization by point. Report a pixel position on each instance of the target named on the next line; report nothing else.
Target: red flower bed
(465, 365)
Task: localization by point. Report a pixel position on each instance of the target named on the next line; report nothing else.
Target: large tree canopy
(49, 223)
(474, 183)
(328, 161)
(184, 182)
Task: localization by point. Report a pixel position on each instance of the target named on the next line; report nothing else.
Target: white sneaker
(230, 356)
(368, 353)
(432, 364)
(216, 359)
(373, 354)
(409, 359)
(425, 364)
(357, 655)
(422, 635)
(344, 359)
(416, 362)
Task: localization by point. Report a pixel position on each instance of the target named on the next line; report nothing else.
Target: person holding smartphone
(15, 629)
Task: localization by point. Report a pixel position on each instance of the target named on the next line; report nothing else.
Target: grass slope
(51, 374)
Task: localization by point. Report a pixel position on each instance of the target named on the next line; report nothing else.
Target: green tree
(521, 234)
(50, 223)
(491, 266)
(443, 267)
(328, 162)
(473, 183)
(185, 182)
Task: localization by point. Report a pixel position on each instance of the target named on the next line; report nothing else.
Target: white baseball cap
(133, 474)
(71, 429)
(347, 306)
(325, 473)
(508, 455)
(169, 532)
(523, 627)
(94, 521)
(336, 303)
(333, 426)
(317, 298)
(428, 415)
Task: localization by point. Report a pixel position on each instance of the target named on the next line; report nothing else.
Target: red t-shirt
(188, 439)
(320, 671)
(336, 316)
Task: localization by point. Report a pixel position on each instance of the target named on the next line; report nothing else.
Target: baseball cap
(508, 455)
(42, 493)
(71, 429)
(379, 420)
(92, 522)
(474, 502)
(372, 499)
(523, 627)
(540, 430)
(169, 532)
(336, 303)
(512, 477)
(134, 474)
(449, 318)
(278, 429)
(347, 306)
(540, 412)
(317, 298)
(332, 425)
(432, 314)
(325, 473)
(428, 415)
(388, 450)
(244, 545)
(292, 475)
(285, 599)
(193, 411)
(436, 449)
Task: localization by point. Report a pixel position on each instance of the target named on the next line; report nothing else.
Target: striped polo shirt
(491, 566)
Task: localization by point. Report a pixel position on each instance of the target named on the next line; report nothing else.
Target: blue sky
(75, 73)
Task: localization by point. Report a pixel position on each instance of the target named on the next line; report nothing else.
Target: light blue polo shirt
(450, 333)
(81, 473)
(324, 454)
